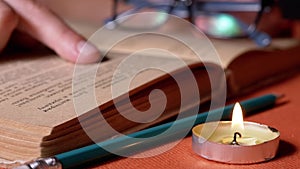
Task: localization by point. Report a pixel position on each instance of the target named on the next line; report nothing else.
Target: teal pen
(124, 144)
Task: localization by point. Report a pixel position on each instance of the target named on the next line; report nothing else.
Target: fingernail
(88, 53)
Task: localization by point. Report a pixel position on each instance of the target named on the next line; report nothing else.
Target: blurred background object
(280, 20)
(214, 18)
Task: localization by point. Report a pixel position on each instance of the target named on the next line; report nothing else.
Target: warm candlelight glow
(237, 124)
(236, 141)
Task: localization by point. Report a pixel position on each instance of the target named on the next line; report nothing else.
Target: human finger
(8, 22)
(39, 22)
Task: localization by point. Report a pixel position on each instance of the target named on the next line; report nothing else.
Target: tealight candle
(236, 141)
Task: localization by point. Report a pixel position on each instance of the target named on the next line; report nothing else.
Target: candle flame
(237, 123)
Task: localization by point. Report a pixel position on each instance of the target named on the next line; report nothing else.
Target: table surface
(283, 117)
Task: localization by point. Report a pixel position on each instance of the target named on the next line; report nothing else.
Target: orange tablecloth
(286, 118)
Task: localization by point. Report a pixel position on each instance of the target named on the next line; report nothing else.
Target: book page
(230, 49)
(176, 36)
(218, 51)
(32, 87)
(37, 90)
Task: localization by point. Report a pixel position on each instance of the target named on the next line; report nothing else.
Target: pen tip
(279, 96)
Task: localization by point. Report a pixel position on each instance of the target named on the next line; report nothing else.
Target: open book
(39, 115)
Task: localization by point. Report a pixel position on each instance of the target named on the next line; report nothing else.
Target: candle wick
(234, 141)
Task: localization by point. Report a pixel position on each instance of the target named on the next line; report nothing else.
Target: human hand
(33, 18)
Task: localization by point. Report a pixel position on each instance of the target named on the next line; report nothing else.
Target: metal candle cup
(235, 143)
(212, 147)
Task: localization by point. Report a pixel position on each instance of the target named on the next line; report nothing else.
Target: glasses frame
(261, 38)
